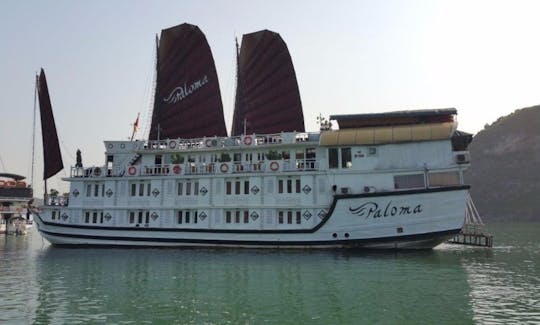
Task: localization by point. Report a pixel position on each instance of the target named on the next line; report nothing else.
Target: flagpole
(135, 126)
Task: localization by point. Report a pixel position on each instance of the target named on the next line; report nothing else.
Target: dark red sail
(187, 102)
(52, 158)
(267, 95)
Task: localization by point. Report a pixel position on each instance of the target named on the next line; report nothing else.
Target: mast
(34, 131)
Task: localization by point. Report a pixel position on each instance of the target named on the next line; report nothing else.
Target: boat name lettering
(371, 209)
(182, 92)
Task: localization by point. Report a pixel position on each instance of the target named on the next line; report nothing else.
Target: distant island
(505, 167)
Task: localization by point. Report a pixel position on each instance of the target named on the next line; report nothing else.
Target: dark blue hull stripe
(353, 242)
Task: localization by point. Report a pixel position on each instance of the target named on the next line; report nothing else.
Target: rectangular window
(180, 188)
(444, 179)
(246, 187)
(333, 158)
(289, 186)
(148, 189)
(237, 216)
(94, 217)
(102, 190)
(141, 189)
(96, 190)
(237, 187)
(88, 190)
(140, 217)
(246, 216)
(147, 217)
(101, 217)
(229, 187)
(196, 188)
(188, 188)
(289, 217)
(195, 217)
(187, 217)
(298, 218)
(280, 217)
(53, 215)
(280, 186)
(131, 217)
(133, 189)
(179, 217)
(409, 181)
(228, 216)
(346, 160)
(297, 186)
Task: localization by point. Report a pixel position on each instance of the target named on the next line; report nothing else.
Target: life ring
(224, 168)
(122, 146)
(110, 146)
(177, 169)
(172, 144)
(248, 140)
(97, 171)
(274, 166)
(208, 143)
(132, 170)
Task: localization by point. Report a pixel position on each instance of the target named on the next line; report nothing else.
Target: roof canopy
(395, 118)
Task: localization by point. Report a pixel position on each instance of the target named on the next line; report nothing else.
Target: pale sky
(481, 57)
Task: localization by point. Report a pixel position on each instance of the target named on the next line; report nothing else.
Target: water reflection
(238, 286)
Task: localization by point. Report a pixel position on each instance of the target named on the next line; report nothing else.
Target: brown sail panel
(52, 158)
(267, 95)
(187, 101)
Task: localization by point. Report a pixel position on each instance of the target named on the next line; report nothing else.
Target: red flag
(136, 124)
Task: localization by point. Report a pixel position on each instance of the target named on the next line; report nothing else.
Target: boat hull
(413, 219)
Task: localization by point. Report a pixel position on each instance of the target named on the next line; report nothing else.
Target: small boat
(382, 180)
(15, 196)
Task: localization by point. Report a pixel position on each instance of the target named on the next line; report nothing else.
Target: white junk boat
(386, 180)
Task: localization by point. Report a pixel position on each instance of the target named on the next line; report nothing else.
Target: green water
(450, 285)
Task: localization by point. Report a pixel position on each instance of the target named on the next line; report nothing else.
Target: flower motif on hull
(202, 215)
(307, 215)
(155, 192)
(75, 192)
(109, 192)
(154, 216)
(255, 189)
(254, 216)
(203, 190)
(306, 189)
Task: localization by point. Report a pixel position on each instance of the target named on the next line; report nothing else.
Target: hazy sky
(481, 57)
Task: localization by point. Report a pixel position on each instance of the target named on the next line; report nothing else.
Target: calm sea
(450, 285)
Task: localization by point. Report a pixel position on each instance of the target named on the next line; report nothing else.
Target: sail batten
(52, 158)
(187, 101)
(267, 95)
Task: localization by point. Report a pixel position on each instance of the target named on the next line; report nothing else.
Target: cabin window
(87, 217)
(94, 217)
(311, 153)
(298, 218)
(101, 217)
(289, 186)
(96, 190)
(237, 216)
(297, 185)
(53, 215)
(188, 188)
(444, 179)
(133, 189)
(409, 181)
(249, 157)
(132, 217)
(140, 216)
(280, 217)
(289, 217)
(280, 186)
(333, 158)
(158, 160)
(286, 155)
(237, 187)
(228, 216)
(229, 188)
(346, 160)
(141, 189)
(148, 189)
(187, 216)
(246, 187)
(246, 216)
(88, 190)
(180, 188)
(147, 217)
(179, 217)
(195, 217)
(237, 157)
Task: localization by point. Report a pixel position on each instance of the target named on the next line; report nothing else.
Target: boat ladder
(474, 231)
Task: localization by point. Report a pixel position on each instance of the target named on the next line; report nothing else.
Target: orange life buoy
(172, 144)
(177, 169)
(132, 170)
(224, 168)
(274, 166)
(248, 140)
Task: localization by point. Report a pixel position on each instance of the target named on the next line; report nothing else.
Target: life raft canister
(248, 140)
(172, 144)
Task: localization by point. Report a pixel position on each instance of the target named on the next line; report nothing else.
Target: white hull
(386, 220)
